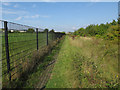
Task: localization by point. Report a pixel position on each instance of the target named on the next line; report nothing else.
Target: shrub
(30, 30)
(98, 36)
(107, 31)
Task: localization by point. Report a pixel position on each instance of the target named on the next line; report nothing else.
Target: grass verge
(86, 63)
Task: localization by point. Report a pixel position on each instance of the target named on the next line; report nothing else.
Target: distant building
(22, 31)
(18, 30)
(11, 30)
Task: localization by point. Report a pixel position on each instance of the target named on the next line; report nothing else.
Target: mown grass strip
(63, 72)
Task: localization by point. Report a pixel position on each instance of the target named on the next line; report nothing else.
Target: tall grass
(96, 61)
(86, 62)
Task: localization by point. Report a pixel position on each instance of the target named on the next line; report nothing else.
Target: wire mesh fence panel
(18, 44)
(41, 39)
(1, 28)
(21, 40)
(50, 35)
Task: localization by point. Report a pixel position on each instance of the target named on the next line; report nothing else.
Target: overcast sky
(60, 16)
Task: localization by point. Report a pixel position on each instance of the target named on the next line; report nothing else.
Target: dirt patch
(86, 38)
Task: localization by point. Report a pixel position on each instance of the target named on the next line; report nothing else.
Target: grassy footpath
(86, 63)
(63, 73)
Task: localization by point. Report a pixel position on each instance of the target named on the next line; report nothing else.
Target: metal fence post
(37, 37)
(47, 36)
(7, 49)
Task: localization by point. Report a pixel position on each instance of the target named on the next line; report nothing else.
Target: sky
(59, 0)
(60, 16)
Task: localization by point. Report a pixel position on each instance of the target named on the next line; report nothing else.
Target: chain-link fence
(18, 43)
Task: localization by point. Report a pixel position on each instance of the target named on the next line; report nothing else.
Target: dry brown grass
(100, 63)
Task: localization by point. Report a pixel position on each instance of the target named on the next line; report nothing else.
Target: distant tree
(62, 32)
(30, 30)
(75, 32)
(52, 30)
(114, 22)
(16, 31)
(3, 29)
(81, 31)
(46, 30)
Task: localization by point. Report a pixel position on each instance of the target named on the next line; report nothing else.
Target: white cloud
(22, 13)
(34, 16)
(26, 16)
(73, 28)
(44, 16)
(19, 18)
(11, 11)
(8, 12)
(37, 16)
(6, 3)
(16, 5)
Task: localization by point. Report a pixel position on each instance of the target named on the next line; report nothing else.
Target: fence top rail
(39, 29)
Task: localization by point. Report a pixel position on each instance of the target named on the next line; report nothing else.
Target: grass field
(21, 46)
(86, 62)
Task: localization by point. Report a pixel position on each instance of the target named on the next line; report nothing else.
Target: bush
(107, 31)
(30, 30)
(98, 36)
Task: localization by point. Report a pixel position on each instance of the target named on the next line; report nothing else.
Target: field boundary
(19, 43)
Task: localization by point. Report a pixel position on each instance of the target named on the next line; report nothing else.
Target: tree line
(107, 31)
(31, 30)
